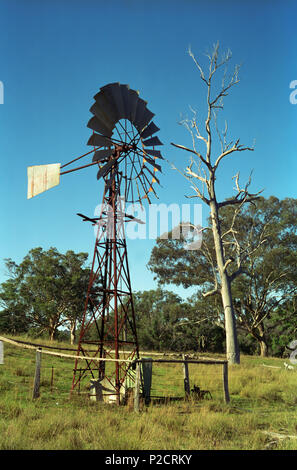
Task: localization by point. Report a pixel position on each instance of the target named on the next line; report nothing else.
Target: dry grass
(262, 399)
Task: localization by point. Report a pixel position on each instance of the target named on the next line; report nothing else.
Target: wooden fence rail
(138, 362)
(70, 356)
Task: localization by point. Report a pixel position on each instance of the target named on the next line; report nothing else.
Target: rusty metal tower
(124, 142)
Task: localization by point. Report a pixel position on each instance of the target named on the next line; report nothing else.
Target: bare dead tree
(201, 173)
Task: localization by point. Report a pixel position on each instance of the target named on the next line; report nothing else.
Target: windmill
(124, 142)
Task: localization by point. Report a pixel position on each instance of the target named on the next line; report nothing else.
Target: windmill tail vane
(123, 134)
(124, 150)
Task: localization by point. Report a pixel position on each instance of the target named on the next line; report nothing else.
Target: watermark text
(134, 221)
(293, 94)
(1, 93)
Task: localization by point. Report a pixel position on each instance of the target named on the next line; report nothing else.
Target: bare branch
(197, 64)
(196, 189)
(191, 322)
(229, 261)
(195, 125)
(195, 175)
(243, 196)
(211, 292)
(233, 81)
(236, 148)
(192, 151)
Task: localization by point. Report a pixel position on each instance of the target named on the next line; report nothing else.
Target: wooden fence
(139, 365)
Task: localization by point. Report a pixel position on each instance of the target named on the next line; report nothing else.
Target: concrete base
(104, 391)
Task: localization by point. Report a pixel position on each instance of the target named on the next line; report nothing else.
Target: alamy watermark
(293, 94)
(1, 93)
(134, 221)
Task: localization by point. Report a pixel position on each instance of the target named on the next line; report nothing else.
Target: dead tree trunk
(201, 173)
(232, 348)
(72, 332)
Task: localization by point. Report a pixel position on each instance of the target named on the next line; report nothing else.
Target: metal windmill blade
(102, 155)
(153, 163)
(143, 116)
(128, 135)
(133, 101)
(152, 142)
(99, 126)
(125, 89)
(106, 168)
(102, 116)
(104, 101)
(149, 130)
(114, 94)
(154, 153)
(153, 174)
(147, 116)
(99, 141)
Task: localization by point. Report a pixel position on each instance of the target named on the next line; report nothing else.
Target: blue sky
(54, 57)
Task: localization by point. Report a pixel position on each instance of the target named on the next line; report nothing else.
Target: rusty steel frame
(109, 303)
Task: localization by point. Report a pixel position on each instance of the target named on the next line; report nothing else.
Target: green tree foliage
(13, 317)
(281, 329)
(166, 322)
(260, 242)
(157, 315)
(268, 281)
(44, 292)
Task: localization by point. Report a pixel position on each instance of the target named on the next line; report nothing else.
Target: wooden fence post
(225, 382)
(52, 379)
(36, 392)
(1, 353)
(137, 388)
(147, 370)
(186, 376)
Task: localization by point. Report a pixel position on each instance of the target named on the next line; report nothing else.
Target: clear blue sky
(55, 55)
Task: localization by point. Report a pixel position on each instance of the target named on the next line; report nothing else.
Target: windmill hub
(126, 147)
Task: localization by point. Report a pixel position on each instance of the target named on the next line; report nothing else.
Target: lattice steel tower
(124, 142)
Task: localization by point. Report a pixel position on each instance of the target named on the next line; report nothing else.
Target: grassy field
(263, 400)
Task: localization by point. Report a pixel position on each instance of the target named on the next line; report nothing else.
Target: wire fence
(17, 373)
(32, 370)
(252, 388)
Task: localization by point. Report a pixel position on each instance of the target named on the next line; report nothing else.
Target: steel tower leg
(108, 327)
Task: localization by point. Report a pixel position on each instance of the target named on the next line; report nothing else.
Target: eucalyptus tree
(268, 284)
(261, 242)
(201, 173)
(48, 288)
